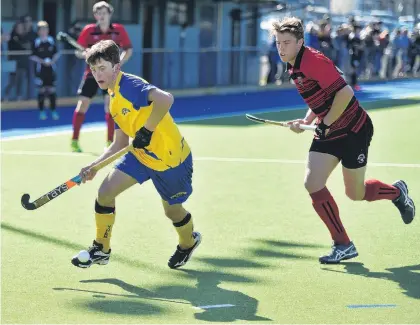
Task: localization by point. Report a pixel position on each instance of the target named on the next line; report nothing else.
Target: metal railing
(167, 69)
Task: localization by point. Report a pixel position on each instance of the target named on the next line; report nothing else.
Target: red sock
(111, 126)
(78, 118)
(376, 190)
(327, 209)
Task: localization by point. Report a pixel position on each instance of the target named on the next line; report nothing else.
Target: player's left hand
(322, 130)
(142, 138)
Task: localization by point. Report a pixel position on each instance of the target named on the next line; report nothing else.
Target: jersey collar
(111, 92)
(98, 28)
(298, 59)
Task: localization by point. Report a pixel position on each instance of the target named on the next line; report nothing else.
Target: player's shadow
(207, 292)
(67, 244)
(279, 249)
(407, 277)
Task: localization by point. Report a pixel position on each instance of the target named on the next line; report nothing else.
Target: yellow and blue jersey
(130, 110)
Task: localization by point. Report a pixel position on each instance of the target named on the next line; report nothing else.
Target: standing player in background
(344, 131)
(44, 53)
(91, 34)
(161, 154)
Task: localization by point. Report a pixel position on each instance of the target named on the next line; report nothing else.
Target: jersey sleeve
(83, 38)
(326, 74)
(136, 91)
(125, 39)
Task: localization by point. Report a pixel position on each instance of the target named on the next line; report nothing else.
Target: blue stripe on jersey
(135, 90)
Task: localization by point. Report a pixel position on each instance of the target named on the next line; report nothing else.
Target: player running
(45, 54)
(102, 30)
(344, 132)
(140, 111)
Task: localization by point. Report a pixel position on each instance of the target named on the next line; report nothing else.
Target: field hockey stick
(69, 184)
(278, 123)
(64, 37)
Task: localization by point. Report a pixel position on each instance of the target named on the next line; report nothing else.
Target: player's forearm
(341, 100)
(55, 58)
(126, 55)
(310, 116)
(162, 102)
(36, 59)
(112, 149)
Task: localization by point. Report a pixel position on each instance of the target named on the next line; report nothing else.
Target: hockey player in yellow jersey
(161, 154)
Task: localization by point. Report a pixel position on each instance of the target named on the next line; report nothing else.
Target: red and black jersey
(318, 80)
(92, 34)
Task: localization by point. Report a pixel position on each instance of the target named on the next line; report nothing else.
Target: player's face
(103, 16)
(288, 46)
(43, 32)
(104, 73)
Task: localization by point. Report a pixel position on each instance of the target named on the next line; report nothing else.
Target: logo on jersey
(125, 111)
(361, 158)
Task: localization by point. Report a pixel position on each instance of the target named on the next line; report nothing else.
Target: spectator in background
(356, 55)
(44, 53)
(415, 51)
(17, 42)
(30, 36)
(313, 40)
(342, 47)
(401, 45)
(325, 40)
(385, 48)
(273, 62)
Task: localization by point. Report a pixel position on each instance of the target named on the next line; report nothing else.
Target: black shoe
(404, 203)
(97, 256)
(181, 256)
(339, 253)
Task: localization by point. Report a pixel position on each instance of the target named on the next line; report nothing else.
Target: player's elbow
(166, 99)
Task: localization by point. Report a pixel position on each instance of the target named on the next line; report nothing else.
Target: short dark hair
(290, 25)
(106, 50)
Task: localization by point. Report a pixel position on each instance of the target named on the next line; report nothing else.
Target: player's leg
(109, 121)
(128, 171)
(188, 239)
(175, 186)
(41, 100)
(53, 102)
(354, 169)
(323, 158)
(50, 90)
(87, 90)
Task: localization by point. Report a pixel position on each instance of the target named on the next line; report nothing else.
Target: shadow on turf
(406, 276)
(240, 120)
(280, 249)
(206, 292)
(68, 244)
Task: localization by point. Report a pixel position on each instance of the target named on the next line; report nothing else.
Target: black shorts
(351, 150)
(45, 77)
(89, 87)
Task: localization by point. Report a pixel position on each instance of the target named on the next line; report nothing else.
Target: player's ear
(117, 67)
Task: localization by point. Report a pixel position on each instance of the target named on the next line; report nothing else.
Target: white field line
(211, 159)
(214, 306)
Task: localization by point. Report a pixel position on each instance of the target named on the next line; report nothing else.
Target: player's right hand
(87, 174)
(294, 125)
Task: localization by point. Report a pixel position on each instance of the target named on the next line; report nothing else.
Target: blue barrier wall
(207, 106)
